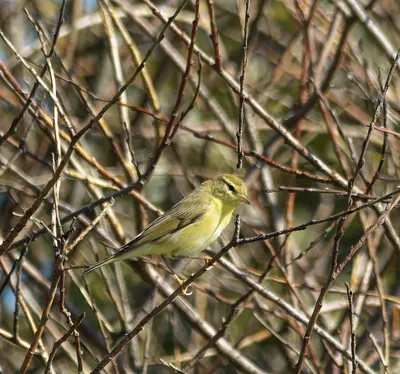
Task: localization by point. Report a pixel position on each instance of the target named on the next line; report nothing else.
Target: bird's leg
(179, 280)
(207, 259)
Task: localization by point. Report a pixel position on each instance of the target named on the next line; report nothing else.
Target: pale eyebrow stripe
(228, 183)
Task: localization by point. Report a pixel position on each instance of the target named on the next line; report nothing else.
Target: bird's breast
(197, 237)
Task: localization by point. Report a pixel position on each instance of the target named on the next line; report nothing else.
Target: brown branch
(43, 320)
(6, 244)
(353, 333)
(214, 34)
(159, 308)
(239, 133)
(170, 129)
(266, 293)
(17, 120)
(62, 340)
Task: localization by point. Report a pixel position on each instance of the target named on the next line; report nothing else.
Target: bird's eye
(231, 188)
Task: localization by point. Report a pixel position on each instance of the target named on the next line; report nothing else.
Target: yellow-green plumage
(190, 226)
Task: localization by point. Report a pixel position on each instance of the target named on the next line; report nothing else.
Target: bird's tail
(106, 261)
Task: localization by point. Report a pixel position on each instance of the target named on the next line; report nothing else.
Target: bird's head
(229, 188)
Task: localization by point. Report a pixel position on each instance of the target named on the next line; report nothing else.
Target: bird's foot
(207, 260)
(185, 290)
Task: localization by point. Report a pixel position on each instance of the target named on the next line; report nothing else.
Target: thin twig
(5, 245)
(239, 133)
(62, 340)
(17, 120)
(353, 333)
(214, 34)
(155, 311)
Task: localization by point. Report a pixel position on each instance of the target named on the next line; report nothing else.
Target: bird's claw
(184, 289)
(207, 260)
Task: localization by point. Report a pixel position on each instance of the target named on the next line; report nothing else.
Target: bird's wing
(172, 221)
(184, 213)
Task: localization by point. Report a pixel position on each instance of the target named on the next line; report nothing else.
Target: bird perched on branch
(188, 227)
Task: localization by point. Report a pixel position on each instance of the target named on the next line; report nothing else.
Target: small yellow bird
(190, 226)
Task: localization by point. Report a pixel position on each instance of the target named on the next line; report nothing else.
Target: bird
(190, 226)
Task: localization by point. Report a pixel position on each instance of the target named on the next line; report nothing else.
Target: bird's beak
(243, 198)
